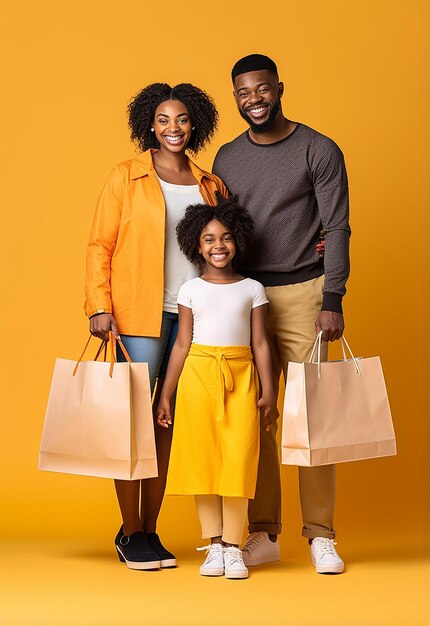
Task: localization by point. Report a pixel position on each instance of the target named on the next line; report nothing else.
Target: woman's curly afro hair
(201, 107)
(227, 211)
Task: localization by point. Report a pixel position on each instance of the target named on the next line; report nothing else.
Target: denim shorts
(152, 350)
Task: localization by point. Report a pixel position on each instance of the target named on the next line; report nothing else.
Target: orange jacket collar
(142, 165)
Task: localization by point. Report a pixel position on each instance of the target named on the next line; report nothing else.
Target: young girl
(216, 437)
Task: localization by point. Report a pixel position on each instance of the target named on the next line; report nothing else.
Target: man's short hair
(253, 63)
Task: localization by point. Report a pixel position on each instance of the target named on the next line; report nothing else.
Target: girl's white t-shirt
(177, 268)
(222, 313)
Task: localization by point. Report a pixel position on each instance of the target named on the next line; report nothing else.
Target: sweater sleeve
(221, 187)
(331, 191)
(217, 169)
(102, 242)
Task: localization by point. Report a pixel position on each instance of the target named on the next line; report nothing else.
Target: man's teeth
(257, 109)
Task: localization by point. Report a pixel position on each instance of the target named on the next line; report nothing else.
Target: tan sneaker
(258, 549)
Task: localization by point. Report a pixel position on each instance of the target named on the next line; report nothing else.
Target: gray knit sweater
(292, 189)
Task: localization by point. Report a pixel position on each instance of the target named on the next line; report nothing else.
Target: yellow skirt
(216, 431)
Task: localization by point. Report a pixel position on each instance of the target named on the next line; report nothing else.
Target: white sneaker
(234, 565)
(259, 549)
(324, 556)
(214, 562)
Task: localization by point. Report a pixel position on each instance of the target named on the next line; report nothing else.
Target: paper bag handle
(343, 343)
(112, 342)
(103, 346)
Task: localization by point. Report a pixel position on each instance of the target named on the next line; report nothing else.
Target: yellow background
(352, 70)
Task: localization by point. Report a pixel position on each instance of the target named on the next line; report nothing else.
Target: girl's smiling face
(172, 125)
(216, 245)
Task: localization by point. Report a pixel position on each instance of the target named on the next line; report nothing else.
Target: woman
(135, 270)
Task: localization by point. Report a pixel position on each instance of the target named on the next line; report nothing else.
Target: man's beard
(259, 129)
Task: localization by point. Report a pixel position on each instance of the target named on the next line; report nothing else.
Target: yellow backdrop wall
(352, 70)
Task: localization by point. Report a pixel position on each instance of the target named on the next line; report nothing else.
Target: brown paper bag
(99, 421)
(336, 411)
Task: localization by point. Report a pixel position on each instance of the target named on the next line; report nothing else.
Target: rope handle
(343, 343)
(112, 342)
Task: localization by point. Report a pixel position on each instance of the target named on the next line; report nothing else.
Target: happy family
(218, 280)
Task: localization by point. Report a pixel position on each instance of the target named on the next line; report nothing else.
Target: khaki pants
(292, 312)
(222, 516)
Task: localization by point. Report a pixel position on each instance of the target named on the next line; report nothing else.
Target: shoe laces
(253, 540)
(234, 555)
(213, 551)
(324, 545)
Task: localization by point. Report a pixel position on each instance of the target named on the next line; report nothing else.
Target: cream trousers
(222, 516)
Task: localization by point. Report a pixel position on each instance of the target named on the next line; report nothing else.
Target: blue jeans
(152, 350)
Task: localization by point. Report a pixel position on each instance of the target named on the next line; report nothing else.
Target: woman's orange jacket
(125, 255)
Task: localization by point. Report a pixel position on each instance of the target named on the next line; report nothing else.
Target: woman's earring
(152, 130)
(193, 128)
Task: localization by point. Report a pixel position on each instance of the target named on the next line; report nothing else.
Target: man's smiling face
(258, 98)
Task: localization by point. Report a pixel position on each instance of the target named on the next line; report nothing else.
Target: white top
(222, 313)
(177, 268)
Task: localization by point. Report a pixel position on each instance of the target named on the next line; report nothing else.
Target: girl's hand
(321, 249)
(268, 411)
(101, 324)
(164, 418)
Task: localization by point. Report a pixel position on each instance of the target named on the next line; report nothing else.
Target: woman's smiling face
(172, 125)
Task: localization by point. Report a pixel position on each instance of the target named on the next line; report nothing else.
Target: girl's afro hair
(227, 211)
(201, 107)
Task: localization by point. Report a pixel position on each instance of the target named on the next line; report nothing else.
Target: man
(293, 181)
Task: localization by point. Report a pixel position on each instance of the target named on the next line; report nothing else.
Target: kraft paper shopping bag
(99, 420)
(336, 411)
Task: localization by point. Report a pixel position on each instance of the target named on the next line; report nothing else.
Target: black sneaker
(167, 559)
(135, 551)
